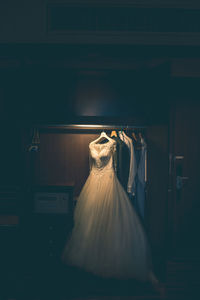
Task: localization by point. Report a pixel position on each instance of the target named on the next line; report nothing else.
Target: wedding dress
(108, 238)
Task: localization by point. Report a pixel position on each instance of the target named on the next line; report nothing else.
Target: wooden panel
(156, 204)
(184, 67)
(9, 220)
(10, 154)
(63, 159)
(187, 4)
(10, 200)
(57, 94)
(129, 22)
(186, 204)
(99, 17)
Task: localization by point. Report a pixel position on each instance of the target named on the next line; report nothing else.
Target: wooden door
(184, 188)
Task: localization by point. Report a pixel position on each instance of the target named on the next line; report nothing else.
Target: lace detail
(101, 156)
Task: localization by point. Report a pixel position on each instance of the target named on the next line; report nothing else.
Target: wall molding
(109, 22)
(127, 38)
(184, 4)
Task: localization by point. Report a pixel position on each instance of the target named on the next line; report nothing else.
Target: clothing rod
(89, 127)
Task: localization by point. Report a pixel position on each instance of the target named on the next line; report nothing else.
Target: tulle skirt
(108, 238)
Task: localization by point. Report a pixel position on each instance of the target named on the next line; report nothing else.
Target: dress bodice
(101, 156)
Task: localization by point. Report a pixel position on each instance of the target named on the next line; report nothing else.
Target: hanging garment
(122, 161)
(108, 238)
(141, 183)
(140, 180)
(131, 186)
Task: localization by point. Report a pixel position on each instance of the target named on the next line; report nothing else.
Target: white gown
(108, 238)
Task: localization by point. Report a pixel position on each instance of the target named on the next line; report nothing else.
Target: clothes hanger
(113, 133)
(102, 136)
(140, 135)
(134, 136)
(139, 144)
(124, 132)
(120, 134)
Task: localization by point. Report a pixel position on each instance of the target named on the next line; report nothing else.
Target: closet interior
(51, 151)
(61, 159)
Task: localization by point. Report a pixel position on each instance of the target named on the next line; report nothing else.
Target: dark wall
(54, 94)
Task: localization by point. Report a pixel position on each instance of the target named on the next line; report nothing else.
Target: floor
(182, 282)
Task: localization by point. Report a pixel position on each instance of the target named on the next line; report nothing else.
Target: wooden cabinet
(46, 224)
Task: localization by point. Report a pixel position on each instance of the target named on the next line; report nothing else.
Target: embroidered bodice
(102, 156)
